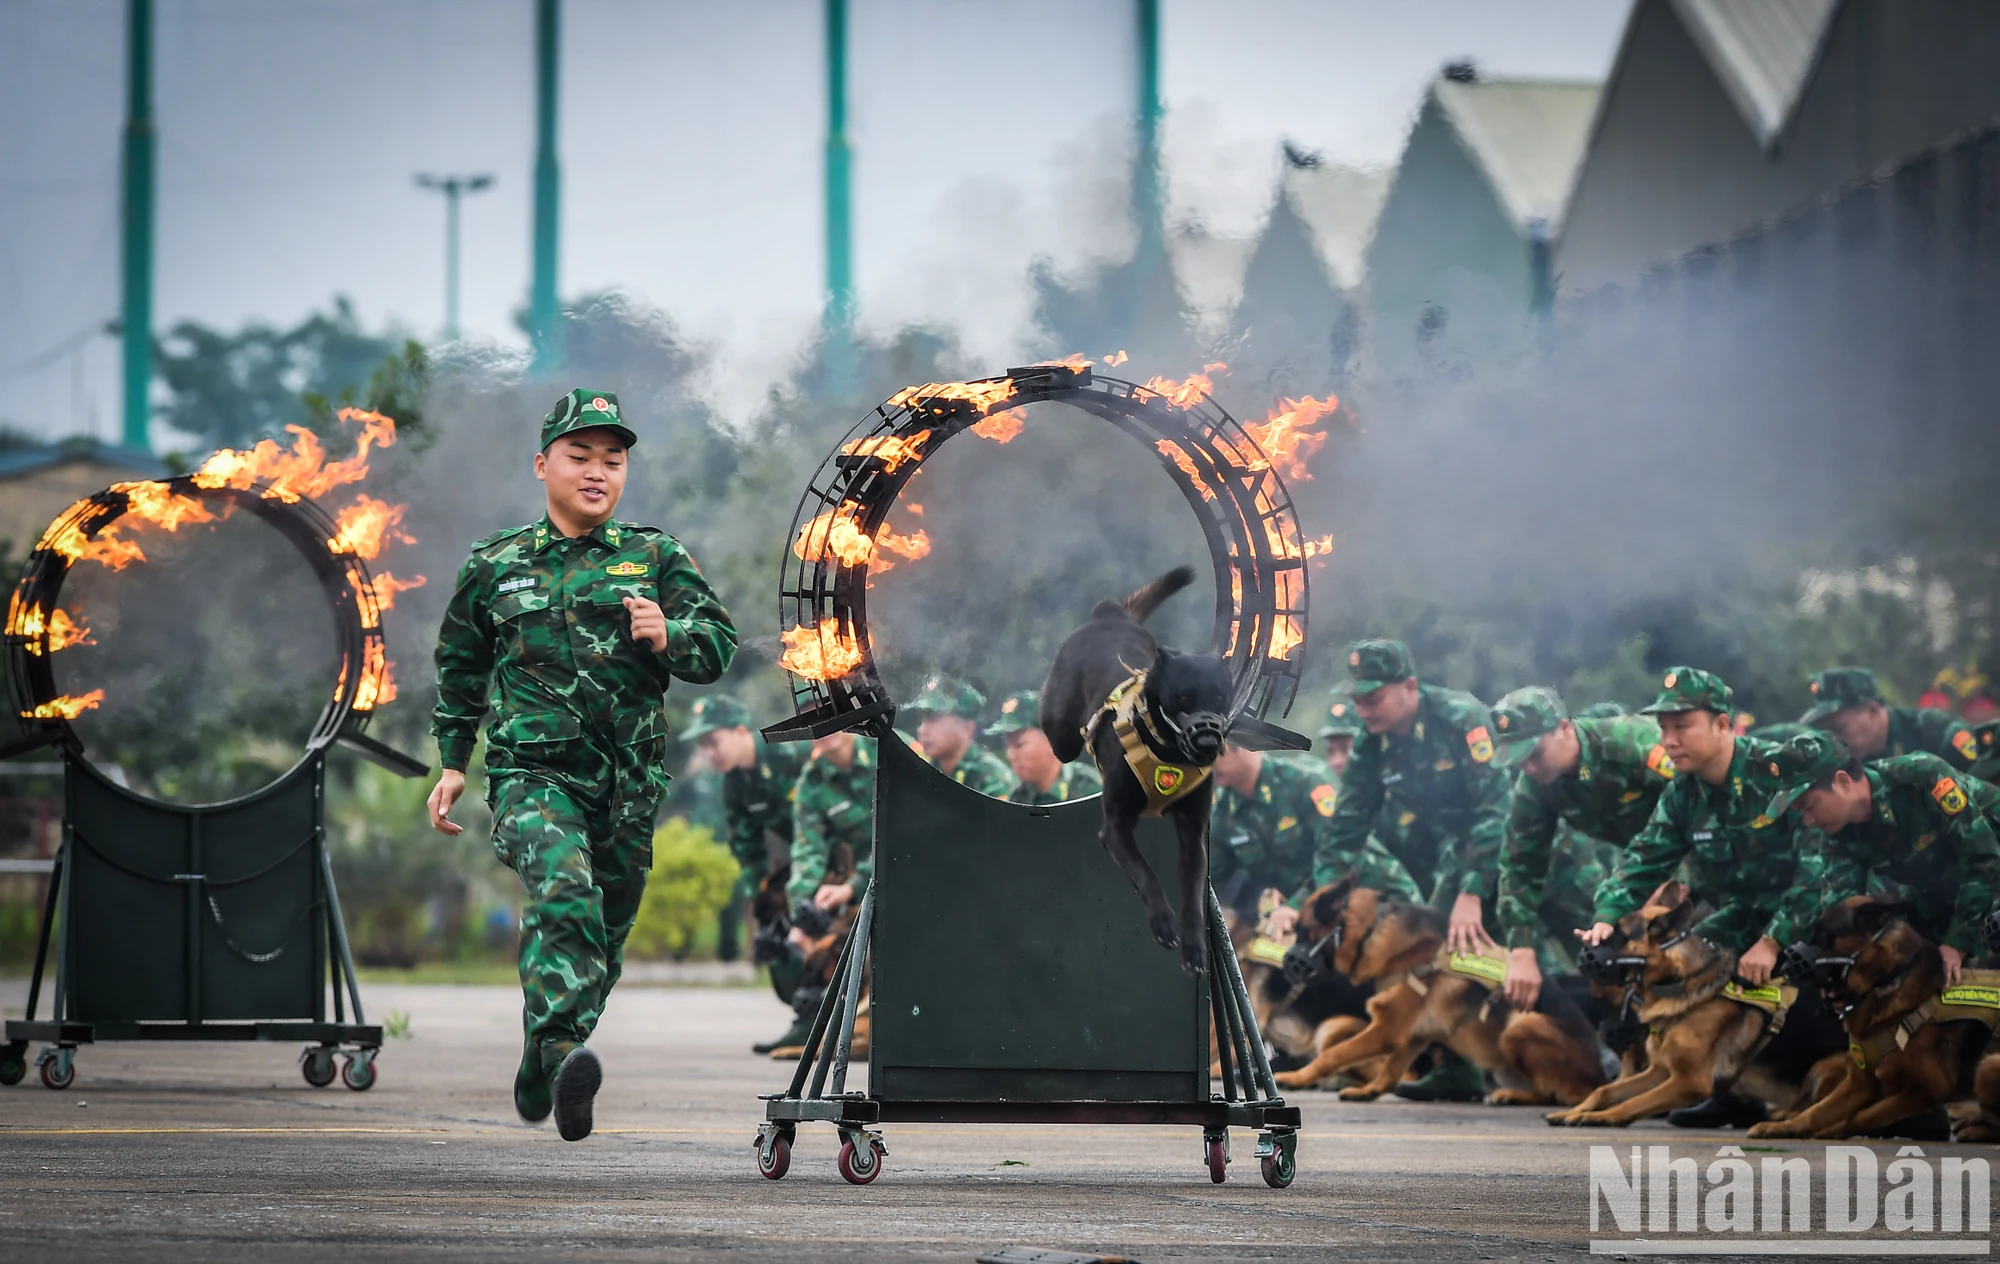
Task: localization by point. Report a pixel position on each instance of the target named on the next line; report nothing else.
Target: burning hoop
(1226, 476)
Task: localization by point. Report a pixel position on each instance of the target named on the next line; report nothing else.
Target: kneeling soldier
(1039, 777)
(1848, 704)
(582, 622)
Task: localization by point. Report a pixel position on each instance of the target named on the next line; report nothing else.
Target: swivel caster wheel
(1276, 1158)
(13, 1063)
(860, 1163)
(58, 1067)
(317, 1066)
(775, 1158)
(357, 1070)
(1218, 1159)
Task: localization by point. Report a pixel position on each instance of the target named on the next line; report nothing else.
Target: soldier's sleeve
(810, 844)
(1479, 853)
(1753, 904)
(1340, 842)
(464, 666)
(1525, 852)
(1978, 877)
(1828, 871)
(746, 836)
(1647, 861)
(701, 637)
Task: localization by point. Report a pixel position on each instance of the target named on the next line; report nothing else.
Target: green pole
(451, 192)
(544, 320)
(839, 193)
(137, 251)
(1146, 167)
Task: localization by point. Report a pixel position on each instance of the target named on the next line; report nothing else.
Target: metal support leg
(1267, 1085)
(857, 967)
(821, 1021)
(49, 906)
(338, 925)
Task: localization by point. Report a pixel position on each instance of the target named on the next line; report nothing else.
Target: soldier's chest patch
(1391, 779)
(625, 570)
(1287, 822)
(514, 585)
(1924, 840)
(1949, 796)
(1701, 836)
(1444, 765)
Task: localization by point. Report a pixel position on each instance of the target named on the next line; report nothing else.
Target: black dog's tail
(1139, 606)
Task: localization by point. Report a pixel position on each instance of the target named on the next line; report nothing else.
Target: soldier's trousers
(584, 870)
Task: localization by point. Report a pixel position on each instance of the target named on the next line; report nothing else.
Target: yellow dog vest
(1164, 783)
(1974, 998)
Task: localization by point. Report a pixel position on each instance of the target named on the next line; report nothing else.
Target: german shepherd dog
(1544, 1056)
(1296, 1015)
(1185, 701)
(1882, 974)
(1702, 1041)
(826, 934)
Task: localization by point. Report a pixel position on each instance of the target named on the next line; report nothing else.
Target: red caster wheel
(58, 1071)
(317, 1067)
(358, 1073)
(778, 1160)
(860, 1165)
(1218, 1160)
(1277, 1169)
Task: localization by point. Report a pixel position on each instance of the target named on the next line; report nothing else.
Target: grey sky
(987, 132)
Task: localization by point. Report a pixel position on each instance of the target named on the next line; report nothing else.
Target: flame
(1283, 436)
(1116, 358)
(363, 526)
(302, 472)
(161, 505)
(66, 707)
(1286, 635)
(1320, 547)
(892, 450)
(1001, 427)
(984, 394)
(386, 586)
(147, 503)
(377, 684)
(819, 652)
(1078, 362)
(1186, 393)
(1173, 452)
(838, 534)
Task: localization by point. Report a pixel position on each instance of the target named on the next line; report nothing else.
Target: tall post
(137, 210)
(454, 188)
(1146, 208)
(543, 318)
(838, 318)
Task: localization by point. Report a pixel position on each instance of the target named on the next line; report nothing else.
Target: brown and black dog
(1543, 1056)
(1296, 1018)
(1913, 1044)
(1703, 1038)
(826, 940)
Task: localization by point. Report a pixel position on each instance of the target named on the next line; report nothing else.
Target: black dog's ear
(1870, 918)
(1675, 922)
(1327, 902)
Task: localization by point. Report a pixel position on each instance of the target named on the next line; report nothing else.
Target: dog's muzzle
(1806, 961)
(1306, 962)
(811, 919)
(1201, 734)
(1989, 931)
(1600, 964)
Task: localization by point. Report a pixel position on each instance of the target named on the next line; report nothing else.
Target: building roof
(1763, 51)
(17, 462)
(1339, 206)
(1527, 135)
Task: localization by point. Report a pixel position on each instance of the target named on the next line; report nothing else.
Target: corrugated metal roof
(1527, 135)
(1763, 51)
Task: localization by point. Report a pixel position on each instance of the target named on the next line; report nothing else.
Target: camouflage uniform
(1987, 735)
(830, 806)
(756, 807)
(1554, 854)
(1737, 858)
(1930, 837)
(1019, 712)
(575, 754)
(1272, 836)
(1911, 729)
(978, 769)
(1436, 787)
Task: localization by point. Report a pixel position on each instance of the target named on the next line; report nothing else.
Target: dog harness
(1974, 999)
(1487, 968)
(1126, 709)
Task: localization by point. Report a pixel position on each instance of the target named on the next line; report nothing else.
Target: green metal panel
(1011, 958)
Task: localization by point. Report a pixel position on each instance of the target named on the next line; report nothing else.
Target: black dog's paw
(1194, 956)
(1165, 932)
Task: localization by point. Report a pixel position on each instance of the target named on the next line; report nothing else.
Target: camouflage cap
(1523, 718)
(946, 695)
(1689, 689)
(585, 409)
(1342, 720)
(715, 711)
(1018, 711)
(1778, 732)
(1374, 663)
(1801, 762)
(1837, 688)
(1602, 711)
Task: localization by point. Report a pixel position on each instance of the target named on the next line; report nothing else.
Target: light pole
(452, 187)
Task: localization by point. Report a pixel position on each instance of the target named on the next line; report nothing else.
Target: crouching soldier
(580, 622)
(1582, 782)
(833, 841)
(1039, 777)
(757, 783)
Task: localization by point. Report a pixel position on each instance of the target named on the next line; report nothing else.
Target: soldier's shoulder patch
(1965, 743)
(1949, 795)
(1659, 761)
(1324, 798)
(1479, 744)
(626, 568)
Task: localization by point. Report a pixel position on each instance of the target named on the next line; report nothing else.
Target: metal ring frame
(1245, 512)
(343, 577)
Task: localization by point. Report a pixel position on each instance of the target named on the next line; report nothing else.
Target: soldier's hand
(649, 622)
(451, 784)
(832, 897)
(1467, 932)
(1755, 966)
(1596, 934)
(1283, 918)
(1524, 979)
(1953, 960)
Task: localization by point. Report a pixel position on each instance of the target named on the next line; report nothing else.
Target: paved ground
(223, 1152)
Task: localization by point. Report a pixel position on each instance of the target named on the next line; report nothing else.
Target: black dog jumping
(1154, 721)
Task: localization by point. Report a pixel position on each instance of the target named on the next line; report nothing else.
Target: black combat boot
(531, 1087)
(576, 1083)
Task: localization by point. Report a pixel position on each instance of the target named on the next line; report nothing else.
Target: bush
(693, 877)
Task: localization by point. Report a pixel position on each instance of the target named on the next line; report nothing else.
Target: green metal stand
(1011, 979)
(176, 923)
